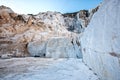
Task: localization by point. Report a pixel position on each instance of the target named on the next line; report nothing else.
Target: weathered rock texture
(62, 48)
(101, 41)
(29, 35)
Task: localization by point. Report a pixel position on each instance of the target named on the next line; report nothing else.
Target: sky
(36, 6)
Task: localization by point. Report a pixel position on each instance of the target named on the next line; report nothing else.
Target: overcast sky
(36, 6)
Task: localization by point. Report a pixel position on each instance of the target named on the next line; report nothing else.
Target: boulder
(37, 48)
(61, 48)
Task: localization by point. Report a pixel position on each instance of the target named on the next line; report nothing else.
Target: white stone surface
(55, 47)
(101, 41)
(45, 69)
(62, 48)
(37, 48)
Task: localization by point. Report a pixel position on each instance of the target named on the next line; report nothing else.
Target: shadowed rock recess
(92, 35)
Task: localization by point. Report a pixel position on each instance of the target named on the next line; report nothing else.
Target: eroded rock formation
(30, 35)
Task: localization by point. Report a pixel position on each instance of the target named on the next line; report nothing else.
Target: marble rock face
(19, 33)
(57, 47)
(101, 41)
(37, 49)
(61, 48)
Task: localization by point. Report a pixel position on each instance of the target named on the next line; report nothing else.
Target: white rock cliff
(101, 41)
